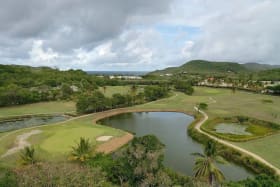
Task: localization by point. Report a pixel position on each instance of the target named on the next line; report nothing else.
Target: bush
(7, 178)
(60, 174)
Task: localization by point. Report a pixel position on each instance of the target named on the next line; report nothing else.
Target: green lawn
(267, 147)
(110, 90)
(56, 140)
(39, 108)
(227, 103)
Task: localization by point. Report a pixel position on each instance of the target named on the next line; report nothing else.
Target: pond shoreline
(197, 125)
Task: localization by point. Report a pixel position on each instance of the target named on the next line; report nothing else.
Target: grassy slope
(38, 108)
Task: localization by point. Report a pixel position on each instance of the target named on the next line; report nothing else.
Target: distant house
(74, 88)
(126, 77)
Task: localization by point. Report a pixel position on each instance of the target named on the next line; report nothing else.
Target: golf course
(54, 141)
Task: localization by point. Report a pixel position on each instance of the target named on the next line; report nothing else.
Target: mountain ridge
(204, 67)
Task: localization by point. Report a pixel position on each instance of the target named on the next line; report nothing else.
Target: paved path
(255, 156)
(21, 142)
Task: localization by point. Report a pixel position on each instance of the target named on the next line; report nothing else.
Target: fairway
(56, 140)
(52, 107)
(226, 103)
(267, 147)
(108, 91)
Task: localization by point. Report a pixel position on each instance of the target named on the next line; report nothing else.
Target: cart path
(21, 142)
(255, 156)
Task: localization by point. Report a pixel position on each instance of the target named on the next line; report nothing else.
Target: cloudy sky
(137, 34)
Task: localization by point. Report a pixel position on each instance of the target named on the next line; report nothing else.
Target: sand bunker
(21, 142)
(103, 138)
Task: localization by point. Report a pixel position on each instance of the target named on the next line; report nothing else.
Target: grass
(267, 147)
(227, 104)
(56, 140)
(39, 108)
(110, 90)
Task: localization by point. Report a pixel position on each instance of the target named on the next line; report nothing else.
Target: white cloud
(40, 56)
(85, 36)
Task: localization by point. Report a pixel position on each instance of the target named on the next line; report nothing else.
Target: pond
(29, 121)
(171, 129)
(232, 128)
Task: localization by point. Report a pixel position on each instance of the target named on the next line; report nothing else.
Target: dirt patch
(21, 142)
(103, 138)
(114, 143)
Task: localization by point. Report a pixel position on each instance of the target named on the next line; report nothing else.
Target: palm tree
(205, 165)
(82, 151)
(27, 155)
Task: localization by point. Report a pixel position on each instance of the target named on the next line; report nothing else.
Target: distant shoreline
(135, 73)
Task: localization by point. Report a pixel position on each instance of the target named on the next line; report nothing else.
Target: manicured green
(56, 140)
(39, 108)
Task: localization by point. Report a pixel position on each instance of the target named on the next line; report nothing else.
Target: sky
(137, 35)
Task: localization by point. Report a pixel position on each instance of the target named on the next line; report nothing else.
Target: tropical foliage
(27, 156)
(205, 168)
(82, 151)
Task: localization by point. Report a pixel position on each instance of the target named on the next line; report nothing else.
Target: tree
(184, 86)
(82, 151)
(27, 156)
(153, 93)
(202, 106)
(66, 91)
(141, 163)
(133, 90)
(94, 102)
(205, 165)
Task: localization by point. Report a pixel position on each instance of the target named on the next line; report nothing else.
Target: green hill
(260, 67)
(210, 67)
(271, 74)
(204, 67)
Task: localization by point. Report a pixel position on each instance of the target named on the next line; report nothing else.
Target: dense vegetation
(96, 101)
(275, 89)
(140, 163)
(24, 84)
(184, 86)
(202, 68)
